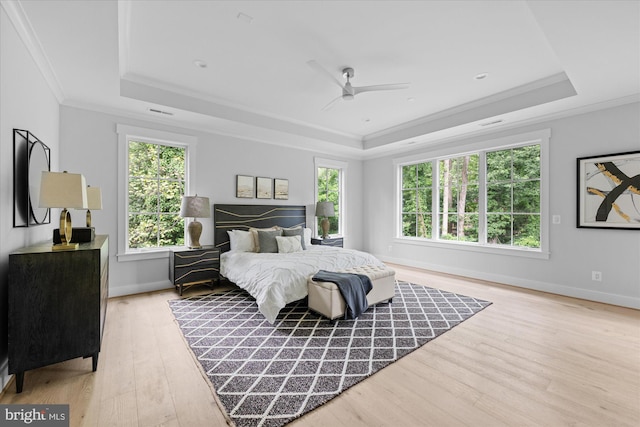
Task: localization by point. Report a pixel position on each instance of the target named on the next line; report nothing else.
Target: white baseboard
(554, 288)
(138, 288)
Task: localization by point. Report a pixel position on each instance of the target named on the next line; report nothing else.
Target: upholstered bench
(325, 297)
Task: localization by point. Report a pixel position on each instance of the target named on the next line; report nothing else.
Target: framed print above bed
(264, 188)
(609, 191)
(244, 187)
(281, 187)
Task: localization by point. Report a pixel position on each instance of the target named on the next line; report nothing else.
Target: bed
(275, 279)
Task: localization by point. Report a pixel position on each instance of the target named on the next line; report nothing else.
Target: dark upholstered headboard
(243, 217)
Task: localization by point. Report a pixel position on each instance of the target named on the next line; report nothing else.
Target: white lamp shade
(195, 207)
(325, 209)
(63, 190)
(94, 198)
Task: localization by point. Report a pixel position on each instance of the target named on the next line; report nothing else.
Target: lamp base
(78, 235)
(325, 228)
(65, 247)
(195, 230)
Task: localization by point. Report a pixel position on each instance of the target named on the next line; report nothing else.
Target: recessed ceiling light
(481, 76)
(200, 63)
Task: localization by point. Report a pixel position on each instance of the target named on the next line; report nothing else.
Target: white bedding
(276, 279)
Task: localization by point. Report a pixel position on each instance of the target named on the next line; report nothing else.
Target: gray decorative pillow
(296, 231)
(267, 240)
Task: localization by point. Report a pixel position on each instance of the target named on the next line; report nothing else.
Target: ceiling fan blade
(330, 104)
(320, 69)
(393, 86)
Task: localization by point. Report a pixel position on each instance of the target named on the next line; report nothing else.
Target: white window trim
(332, 164)
(541, 137)
(126, 133)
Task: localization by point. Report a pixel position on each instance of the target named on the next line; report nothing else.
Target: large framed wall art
(609, 191)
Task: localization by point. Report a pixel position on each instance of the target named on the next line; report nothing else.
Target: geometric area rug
(270, 374)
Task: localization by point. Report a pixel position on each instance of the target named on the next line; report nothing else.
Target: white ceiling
(543, 59)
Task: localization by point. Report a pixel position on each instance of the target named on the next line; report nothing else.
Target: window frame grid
(158, 181)
(128, 133)
(342, 179)
(540, 137)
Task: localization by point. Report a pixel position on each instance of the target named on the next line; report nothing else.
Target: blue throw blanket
(353, 287)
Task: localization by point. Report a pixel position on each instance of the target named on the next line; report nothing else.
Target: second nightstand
(194, 266)
(335, 241)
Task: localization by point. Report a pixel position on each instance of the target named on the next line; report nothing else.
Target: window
(154, 173)
(330, 177)
(491, 197)
(416, 200)
(458, 198)
(157, 174)
(513, 197)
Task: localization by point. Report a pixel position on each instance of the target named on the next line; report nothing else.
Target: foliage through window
(156, 182)
(458, 198)
(329, 191)
(512, 197)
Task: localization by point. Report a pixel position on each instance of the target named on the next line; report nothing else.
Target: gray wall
(574, 252)
(91, 148)
(26, 103)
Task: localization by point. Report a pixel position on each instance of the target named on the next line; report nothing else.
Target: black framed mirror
(30, 157)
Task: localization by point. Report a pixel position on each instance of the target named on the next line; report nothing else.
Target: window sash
(128, 133)
(322, 194)
(158, 219)
(481, 148)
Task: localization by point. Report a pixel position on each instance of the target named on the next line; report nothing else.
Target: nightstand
(194, 267)
(335, 241)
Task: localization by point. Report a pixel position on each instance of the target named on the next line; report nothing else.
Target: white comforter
(275, 280)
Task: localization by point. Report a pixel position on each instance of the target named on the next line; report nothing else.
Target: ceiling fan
(348, 91)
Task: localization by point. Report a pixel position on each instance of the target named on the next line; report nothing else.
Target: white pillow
(241, 241)
(288, 244)
(307, 237)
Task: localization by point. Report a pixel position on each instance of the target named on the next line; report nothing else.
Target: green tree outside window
(512, 198)
(156, 183)
(329, 191)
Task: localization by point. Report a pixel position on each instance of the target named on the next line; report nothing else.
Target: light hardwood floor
(529, 359)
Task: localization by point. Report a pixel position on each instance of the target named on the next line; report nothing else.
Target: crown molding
(405, 147)
(25, 31)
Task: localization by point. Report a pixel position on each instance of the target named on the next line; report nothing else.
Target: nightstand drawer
(336, 241)
(191, 257)
(197, 271)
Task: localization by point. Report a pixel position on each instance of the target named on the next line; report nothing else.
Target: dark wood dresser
(57, 305)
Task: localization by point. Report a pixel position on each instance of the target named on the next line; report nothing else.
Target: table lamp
(67, 191)
(195, 207)
(325, 210)
(94, 201)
